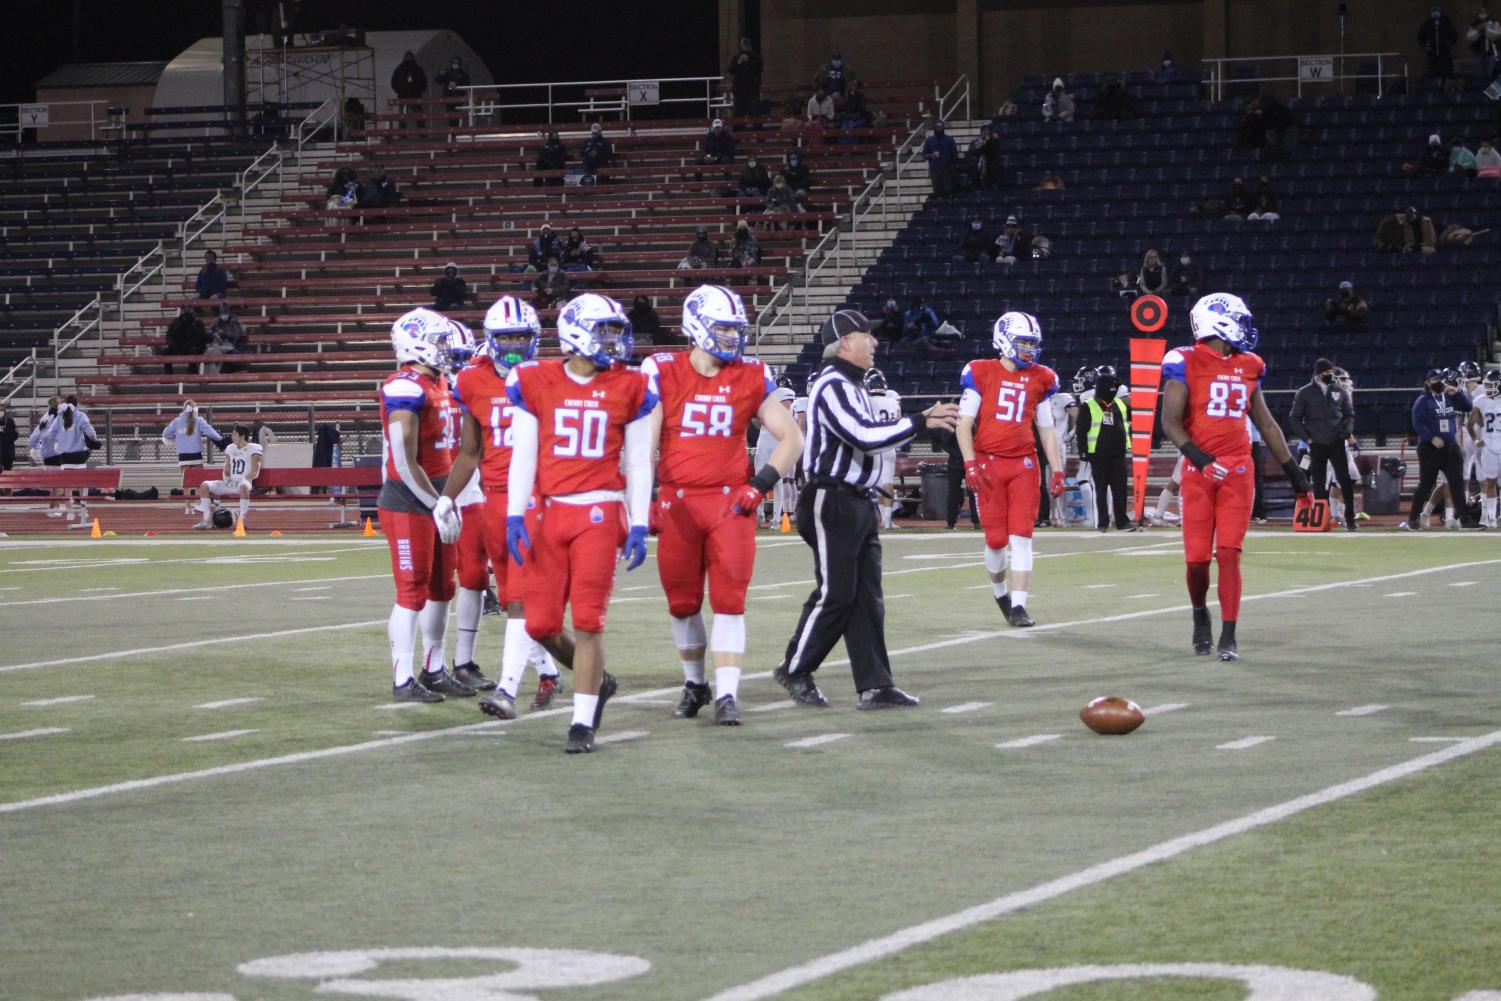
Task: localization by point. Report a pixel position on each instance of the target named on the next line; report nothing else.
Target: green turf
(719, 855)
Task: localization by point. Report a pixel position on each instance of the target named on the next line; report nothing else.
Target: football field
(207, 794)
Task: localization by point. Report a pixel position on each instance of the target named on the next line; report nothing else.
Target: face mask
(1106, 395)
(1327, 378)
(552, 269)
(975, 226)
(1183, 261)
(836, 63)
(751, 164)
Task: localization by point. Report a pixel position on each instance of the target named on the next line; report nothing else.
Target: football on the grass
(1112, 715)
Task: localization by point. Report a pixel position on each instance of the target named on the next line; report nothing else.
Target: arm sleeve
(969, 396)
(513, 391)
(1044, 415)
(403, 467)
(637, 470)
(523, 472)
(864, 433)
(1175, 367)
(169, 433)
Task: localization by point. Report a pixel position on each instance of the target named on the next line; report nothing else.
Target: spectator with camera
(1323, 416)
(1347, 311)
(1436, 416)
(1484, 36)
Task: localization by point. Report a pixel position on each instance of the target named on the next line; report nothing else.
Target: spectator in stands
(551, 286)
(1115, 102)
(718, 145)
(703, 252)
(452, 79)
(1013, 243)
(919, 321)
(1347, 311)
(832, 78)
(798, 177)
(1487, 160)
(1461, 160)
(1188, 278)
(379, 191)
(1484, 36)
(1269, 126)
(450, 291)
(745, 79)
(978, 246)
(889, 329)
(543, 246)
(1408, 231)
(745, 250)
(855, 114)
(1058, 106)
(942, 155)
(409, 82)
(1167, 70)
(346, 199)
(646, 325)
(1437, 38)
(578, 253)
(597, 151)
(754, 180)
(186, 336)
(985, 149)
(213, 282)
(226, 337)
(552, 155)
(1152, 279)
(821, 107)
(781, 199)
(1238, 202)
(1264, 202)
(354, 116)
(1434, 159)
(8, 438)
(342, 179)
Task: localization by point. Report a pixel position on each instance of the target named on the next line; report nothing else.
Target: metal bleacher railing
(1315, 72)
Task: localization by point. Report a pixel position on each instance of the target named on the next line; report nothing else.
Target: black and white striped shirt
(845, 438)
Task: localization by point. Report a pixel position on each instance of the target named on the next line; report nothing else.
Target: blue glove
(635, 547)
(516, 537)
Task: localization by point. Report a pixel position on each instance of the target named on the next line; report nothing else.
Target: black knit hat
(845, 321)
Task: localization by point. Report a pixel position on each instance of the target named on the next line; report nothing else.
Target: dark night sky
(520, 40)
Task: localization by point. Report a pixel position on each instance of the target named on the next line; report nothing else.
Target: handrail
(127, 286)
(96, 305)
(16, 128)
(476, 105)
(13, 376)
(1218, 79)
(302, 134)
(185, 231)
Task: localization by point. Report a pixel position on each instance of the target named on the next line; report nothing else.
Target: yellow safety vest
(1096, 412)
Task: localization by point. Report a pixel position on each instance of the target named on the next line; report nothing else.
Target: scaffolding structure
(312, 73)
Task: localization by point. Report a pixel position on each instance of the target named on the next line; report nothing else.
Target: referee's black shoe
(1203, 633)
(801, 687)
(890, 697)
(1019, 617)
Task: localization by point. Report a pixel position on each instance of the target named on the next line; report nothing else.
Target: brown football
(1112, 715)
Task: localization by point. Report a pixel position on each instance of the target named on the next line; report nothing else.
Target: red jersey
(705, 418)
(428, 397)
(1004, 404)
(1219, 396)
(580, 426)
(480, 391)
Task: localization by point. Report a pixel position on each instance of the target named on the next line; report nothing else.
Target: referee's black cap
(845, 321)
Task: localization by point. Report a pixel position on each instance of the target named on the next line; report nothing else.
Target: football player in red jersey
(511, 335)
(579, 421)
(1001, 402)
(417, 418)
(1208, 390)
(709, 496)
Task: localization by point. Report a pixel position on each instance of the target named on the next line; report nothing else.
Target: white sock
(513, 655)
(1163, 500)
(1336, 508)
(689, 634)
(401, 630)
(205, 508)
(726, 682)
(470, 605)
(1018, 598)
(1488, 507)
(886, 514)
(1448, 514)
(583, 709)
(542, 661)
(244, 507)
(1087, 490)
(434, 622)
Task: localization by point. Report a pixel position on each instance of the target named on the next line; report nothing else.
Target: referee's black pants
(1109, 474)
(1320, 456)
(1448, 460)
(840, 525)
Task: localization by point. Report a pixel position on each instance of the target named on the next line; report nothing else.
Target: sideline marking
(1437, 740)
(299, 590)
(886, 945)
(1242, 743)
(1096, 587)
(823, 738)
(1463, 583)
(308, 597)
(222, 703)
(1370, 710)
(615, 738)
(1149, 594)
(221, 735)
(1033, 741)
(43, 732)
(197, 597)
(967, 707)
(99, 589)
(59, 700)
(194, 590)
(772, 706)
(1400, 594)
(1166, 707)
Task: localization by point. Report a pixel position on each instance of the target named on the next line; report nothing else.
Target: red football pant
(1216, 513)
(1008, 497)
(700, 535)
(423, 566)
(482, 546)
(571, 563)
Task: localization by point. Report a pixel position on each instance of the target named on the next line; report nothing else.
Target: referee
(835, 516)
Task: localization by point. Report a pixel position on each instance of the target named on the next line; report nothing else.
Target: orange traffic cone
(150, 535)
(786, 524)
(369, 532)
(94, 532)
(276, 534)
(239, 528)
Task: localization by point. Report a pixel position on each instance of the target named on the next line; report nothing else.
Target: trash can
(1385, 495)
(935, 490)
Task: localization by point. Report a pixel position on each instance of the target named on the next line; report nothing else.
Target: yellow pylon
(94, 532)
(786, 524)
(369, 532)
(239, 528)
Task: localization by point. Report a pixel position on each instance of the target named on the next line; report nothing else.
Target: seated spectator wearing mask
(551, 286)
(1013, 243)
(1461, 160)
(213, 282)
(597, 152)
(781, 199)
(226, 337)
(799, 179)
(186, 336)
(754, 180)
(1434, 159)
(1238, 202)
(450, 290)
(821, 107)
(544, 245)
(551, 156)
(1264, 202)
(578, 253)
(646, 325)
(1058, 106)
(1488, 160)
(891, 323)
(379, 191)
(745, 249)
(703, 252)
(1187, 278)
(1347, 310)
(978, 246)
(718, 145)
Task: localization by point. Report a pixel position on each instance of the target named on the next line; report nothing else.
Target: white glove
(448, 519)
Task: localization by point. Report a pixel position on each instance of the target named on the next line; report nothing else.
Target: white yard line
(1096, 587)
(43, 732)
(1242, 743)
(1463, 583)
(1370, 710)
(906, 938)
(226, 703)
(87, 589)
(194, 590)
(772, 706)
(221, 735)
(1033, 741)
(967, 707)
(61, 699)
(197, 597)
(823, 738)
(325, 587)
(615, 738)
(1437, 740)
(1166, 707)
(312, 597)
(1149, 594)
(1400, 594)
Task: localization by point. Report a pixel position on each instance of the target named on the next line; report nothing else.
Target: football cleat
(498, 704)
(548, 687)
(441, 681)
(1004, 604)
(580, 740)
(727, 711)
(470, 674)
(801, 687)
(492, 603)
(1203, 633)
(1019, 617)
(1228, 650)
(607, 687)
(414, 691)
(695, 697)
(889, 697)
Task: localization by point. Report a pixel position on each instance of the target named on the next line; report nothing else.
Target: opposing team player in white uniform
(1485, 433)
(1065, 409)
(784, 497)
(242, 464)
(887, 404)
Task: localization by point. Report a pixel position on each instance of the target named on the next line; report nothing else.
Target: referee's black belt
(829, 483)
